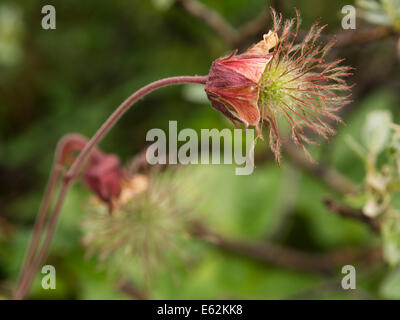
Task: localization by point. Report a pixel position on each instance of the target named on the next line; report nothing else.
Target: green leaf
(390, 288)
(376, 132)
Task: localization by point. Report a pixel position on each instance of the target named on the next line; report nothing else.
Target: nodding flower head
(234, 82)
(103, 174)
(103, 177)
(291, 84)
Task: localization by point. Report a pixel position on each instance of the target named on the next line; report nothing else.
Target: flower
(292, 84)
(103, 177)
(235, 81)
(103, 174)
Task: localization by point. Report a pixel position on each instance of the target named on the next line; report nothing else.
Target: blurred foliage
(380, 193)
(382, 12)
(70, 79)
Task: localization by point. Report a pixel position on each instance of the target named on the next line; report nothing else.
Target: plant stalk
(31, 265)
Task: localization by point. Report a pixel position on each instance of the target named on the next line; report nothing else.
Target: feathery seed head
(293, 84)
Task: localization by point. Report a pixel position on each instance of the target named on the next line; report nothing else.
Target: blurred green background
(70, 79)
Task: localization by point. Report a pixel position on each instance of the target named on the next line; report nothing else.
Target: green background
(70, 79)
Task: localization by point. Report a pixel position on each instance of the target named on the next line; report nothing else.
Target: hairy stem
(40, 220)
(31, 265)
(28, 276)
(67, 144)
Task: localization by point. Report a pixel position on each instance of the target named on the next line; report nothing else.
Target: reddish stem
(67, 144)
(31, 265)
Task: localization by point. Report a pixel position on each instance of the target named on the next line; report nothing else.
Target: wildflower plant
(281, 82)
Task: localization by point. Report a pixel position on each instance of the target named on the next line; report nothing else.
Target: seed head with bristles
(147, 228)
(292, 83)
(300, 87)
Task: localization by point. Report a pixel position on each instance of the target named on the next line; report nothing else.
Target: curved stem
(122, 109)
(29, 271)
(65, 146)
(40, 220)
(28, 276)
